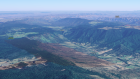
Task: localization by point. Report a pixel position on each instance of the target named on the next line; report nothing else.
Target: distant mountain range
(70, 22)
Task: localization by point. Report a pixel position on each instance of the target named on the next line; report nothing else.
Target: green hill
(122, 40)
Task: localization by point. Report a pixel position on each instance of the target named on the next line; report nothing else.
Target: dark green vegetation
(123, 40)
(51, 71)
(22, 64)
(125, 61)
(31, 47)
(8, 51)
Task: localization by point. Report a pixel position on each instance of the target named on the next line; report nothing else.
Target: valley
(109, 49)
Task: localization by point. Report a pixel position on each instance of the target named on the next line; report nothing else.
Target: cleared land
(78, 58)
(52, 52)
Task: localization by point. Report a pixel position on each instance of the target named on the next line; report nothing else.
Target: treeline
(51, 71)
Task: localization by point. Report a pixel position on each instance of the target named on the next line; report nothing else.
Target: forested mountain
(108, 35)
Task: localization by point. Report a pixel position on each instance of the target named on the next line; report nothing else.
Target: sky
(69, 5)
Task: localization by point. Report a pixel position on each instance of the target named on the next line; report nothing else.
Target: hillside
(110, 35)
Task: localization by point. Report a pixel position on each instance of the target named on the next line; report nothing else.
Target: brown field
(79, 58)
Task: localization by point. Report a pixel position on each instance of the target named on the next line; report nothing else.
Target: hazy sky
(69, 5)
